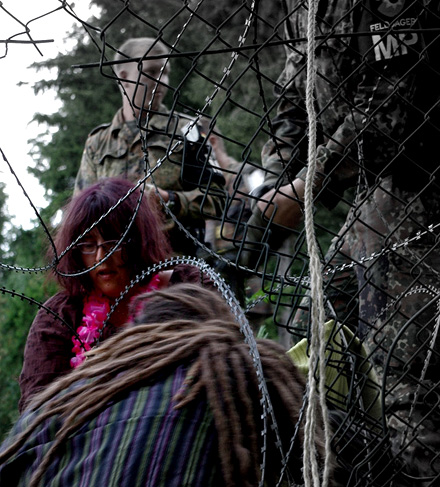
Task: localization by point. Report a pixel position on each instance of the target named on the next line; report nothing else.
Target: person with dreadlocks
(109, 235)
(174, 399)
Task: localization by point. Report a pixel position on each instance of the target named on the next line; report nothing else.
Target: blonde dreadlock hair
(186, 324)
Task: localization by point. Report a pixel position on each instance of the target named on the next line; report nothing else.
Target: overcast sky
(19, 104)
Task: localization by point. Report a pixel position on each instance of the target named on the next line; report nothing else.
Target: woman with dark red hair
(109, 234)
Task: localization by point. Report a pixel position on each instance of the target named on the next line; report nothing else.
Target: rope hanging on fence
(316, 402)
(239, 62)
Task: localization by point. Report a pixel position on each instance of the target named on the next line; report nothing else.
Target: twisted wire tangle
(240, 48)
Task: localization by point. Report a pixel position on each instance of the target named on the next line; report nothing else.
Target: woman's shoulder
(60, 310)
(62, 299)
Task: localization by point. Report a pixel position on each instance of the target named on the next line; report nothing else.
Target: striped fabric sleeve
(140, 440)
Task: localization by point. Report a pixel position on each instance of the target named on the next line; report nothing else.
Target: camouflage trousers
(385, 286)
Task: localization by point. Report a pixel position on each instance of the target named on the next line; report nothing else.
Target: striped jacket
(137, 441)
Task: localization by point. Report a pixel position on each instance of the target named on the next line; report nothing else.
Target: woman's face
(113, 275)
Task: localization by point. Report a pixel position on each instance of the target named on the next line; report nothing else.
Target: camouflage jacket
(376, 93)
(120, 150)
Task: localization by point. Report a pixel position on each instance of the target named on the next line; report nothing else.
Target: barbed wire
(390, 314)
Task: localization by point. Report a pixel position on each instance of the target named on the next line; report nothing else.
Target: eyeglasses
(92, 247)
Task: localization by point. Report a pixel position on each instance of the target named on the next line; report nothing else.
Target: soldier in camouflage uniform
(377, 102)
(121, 149)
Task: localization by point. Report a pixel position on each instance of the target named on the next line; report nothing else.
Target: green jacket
(120, 149)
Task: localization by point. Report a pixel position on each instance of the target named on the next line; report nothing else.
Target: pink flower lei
(95, 311)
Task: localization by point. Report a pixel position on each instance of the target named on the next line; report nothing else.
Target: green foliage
(3, 216)
(16, 317)
(268, 330)
(16, 314)
(87, 101)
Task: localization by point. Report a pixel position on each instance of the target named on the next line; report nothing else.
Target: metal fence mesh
(376, 192)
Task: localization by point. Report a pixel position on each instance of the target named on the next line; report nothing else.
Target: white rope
(316, 403)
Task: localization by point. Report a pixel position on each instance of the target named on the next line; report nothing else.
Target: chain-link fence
(316, 134)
